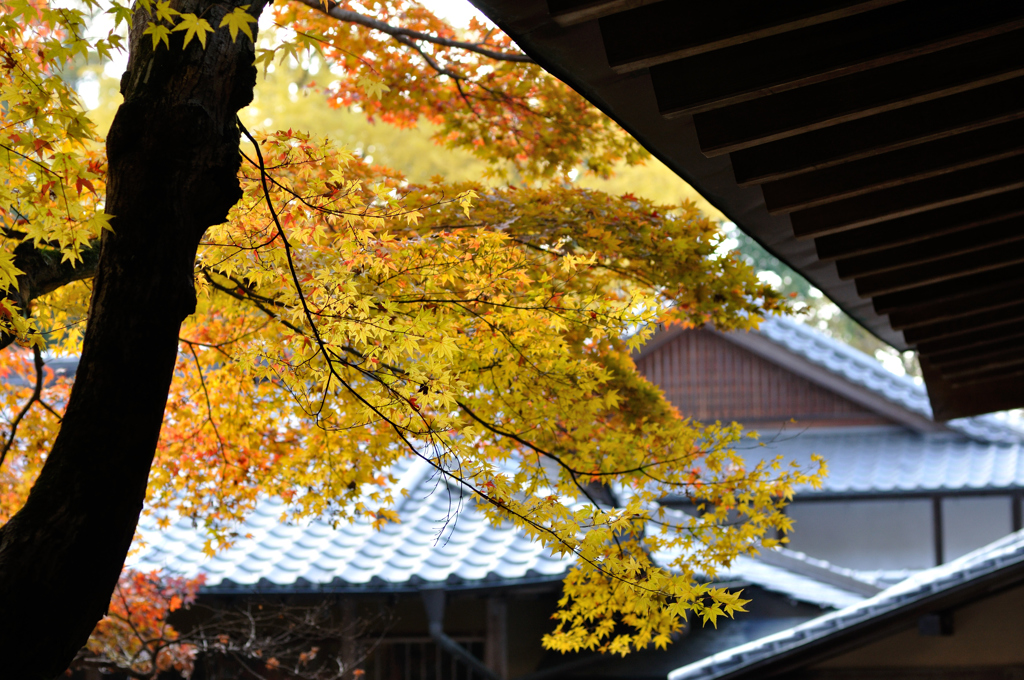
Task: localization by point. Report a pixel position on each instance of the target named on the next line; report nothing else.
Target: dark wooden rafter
(964, 329)
(890, 133)
(860, 95)
(897, 143)
(654, 33)
(981, 351)
(818, 53)
(895, 168)
(934, 249)
(1008, 355)
(1011, 369)
(951, 291)
(989, 393)
(908, 199)
(984, 306)
(954, 267)
(920, 227)
(570, 12)
(973, 339)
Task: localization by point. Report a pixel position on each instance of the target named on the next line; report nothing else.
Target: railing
(420, 659)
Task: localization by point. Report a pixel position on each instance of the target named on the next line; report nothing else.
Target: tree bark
(173, 164)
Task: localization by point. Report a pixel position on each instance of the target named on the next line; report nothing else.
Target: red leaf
(82, 182)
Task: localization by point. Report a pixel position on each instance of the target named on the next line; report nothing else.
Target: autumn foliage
(135, 636)
(348, 318)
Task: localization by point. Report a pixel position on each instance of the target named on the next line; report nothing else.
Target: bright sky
(457, 12)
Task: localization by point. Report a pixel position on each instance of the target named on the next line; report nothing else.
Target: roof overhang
(876, 146)
(886, 623)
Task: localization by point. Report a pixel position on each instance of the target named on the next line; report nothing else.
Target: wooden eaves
(876, 146)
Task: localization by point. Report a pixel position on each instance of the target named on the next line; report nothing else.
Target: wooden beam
(937, 533)
(920, 227)
(570, 12)
(881, 133)
(955, 267)
(980, 366)
(669, 30)
(980, 306)
(1013, 370)
(997, 340)
(908, 199)
(959, 401)
(933, 334)
(931, 250)
(814, 54)
(496, 645)
(1017, 523)
(951, 292)
(973, 339)
(896, 168)
(887, 88)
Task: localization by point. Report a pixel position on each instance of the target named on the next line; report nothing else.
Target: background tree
(224, 639)
(333, 316)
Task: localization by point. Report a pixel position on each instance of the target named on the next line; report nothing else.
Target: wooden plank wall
(708, 378)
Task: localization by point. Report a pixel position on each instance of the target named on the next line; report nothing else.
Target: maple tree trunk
(173, 163)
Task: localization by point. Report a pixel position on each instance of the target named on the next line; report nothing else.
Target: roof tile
(424, 548)
(1006, 553)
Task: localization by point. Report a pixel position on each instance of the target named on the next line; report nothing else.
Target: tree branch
(45, 271)
(336, 12)
(36, 396)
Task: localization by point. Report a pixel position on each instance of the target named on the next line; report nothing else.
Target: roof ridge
(818, 569)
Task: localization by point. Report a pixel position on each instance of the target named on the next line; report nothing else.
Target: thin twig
(36, 396)
(406, 36)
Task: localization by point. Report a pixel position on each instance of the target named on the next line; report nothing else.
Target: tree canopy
(344, 317)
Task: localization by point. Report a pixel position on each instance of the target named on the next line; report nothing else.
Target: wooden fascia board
(879, 627)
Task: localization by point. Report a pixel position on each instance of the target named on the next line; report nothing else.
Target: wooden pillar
(350, 629)
(937, 528)
(496, 648)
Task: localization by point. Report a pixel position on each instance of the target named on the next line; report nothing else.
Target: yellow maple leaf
(373, 88)
(195, 28)
(159, 34)
(238, 20)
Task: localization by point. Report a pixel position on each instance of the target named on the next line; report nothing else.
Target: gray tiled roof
(423, 547)
(801, 587)
(896, 460)
(866, 371)
(465, 552)
(1005, 554)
